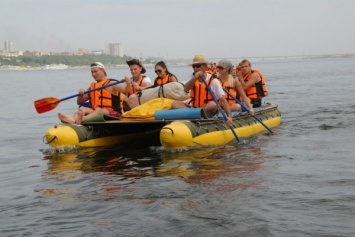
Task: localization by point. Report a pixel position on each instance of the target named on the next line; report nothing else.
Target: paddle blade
(46, 104)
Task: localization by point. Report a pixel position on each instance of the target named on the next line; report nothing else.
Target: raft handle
(172, 131)
(49, 141)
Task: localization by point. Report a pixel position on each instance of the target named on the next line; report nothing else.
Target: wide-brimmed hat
(199, 59)
(136, 62)
(99, 65)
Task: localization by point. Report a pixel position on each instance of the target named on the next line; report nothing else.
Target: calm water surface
(299, 182)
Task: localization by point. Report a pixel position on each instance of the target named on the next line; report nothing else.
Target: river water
(299, 182)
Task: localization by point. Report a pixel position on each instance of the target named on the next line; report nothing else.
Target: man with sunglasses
(201, 96)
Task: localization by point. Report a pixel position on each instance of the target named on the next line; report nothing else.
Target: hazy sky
(182, 28)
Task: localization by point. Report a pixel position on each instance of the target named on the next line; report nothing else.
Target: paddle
(244, 107)
(48, 103)
(219, 107)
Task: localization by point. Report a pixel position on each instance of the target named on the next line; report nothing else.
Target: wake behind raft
(155, 124)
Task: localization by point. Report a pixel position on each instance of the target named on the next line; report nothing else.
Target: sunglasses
(197, 65)
(220, 67)
(158, 71)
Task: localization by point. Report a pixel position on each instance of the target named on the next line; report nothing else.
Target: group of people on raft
(227, 84)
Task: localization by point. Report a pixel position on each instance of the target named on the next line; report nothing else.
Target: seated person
(233, 86)
(253, 83)
(164, 76)
(199, 93)
(112, 104)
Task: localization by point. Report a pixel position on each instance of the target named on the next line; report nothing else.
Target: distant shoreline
(254, 60)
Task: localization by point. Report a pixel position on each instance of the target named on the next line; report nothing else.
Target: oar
(219, 107)
(48, 103)
(244, 107)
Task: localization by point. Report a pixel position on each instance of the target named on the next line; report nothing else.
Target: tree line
(70, 60)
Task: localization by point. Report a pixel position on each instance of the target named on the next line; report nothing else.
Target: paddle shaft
(87, 92)
(49, 103)
(244, 107)
(219, 107)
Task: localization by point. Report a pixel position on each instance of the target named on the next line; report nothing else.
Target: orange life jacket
(104, 99)
(200, 94)
(162, 81)
(231, 90)
(139, 82)
(211, 71)
(258, 90)
(235, 71)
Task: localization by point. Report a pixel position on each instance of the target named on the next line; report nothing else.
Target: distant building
(83, 51)
(115, 49)
(33, 53)
(8, 46)
(97, 52)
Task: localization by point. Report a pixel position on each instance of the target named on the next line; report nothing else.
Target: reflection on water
(203, 163)
(127, 165)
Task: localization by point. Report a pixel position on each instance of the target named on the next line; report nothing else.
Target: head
(136, 67)
(245, 66)
(224, 66)
(98, 71)
(199, 63)
(213, 65)
(161, 69)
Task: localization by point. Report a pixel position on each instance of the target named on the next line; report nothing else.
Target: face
(245, 67)
(221, 69)
(199, 67)
(135, 70)
(160, 71)
(97, 73)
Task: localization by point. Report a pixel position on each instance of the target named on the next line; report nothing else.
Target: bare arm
(227, 109)
(188, 85)
(145, 84)
(128, 87)
(82, 98)
(201, 75)
(173, 78)
(243, 96)
(246, 85)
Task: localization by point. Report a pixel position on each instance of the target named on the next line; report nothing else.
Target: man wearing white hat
(108, 100)
(200, 95)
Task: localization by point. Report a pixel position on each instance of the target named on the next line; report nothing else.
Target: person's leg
(133, 101)
(126, 105)
(236, 107)
(66, 118)
(81, 112)
(178, 105)
(97, 111)
(211, 106)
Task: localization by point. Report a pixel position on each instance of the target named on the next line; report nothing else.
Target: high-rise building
(8, 46)
(114, 49)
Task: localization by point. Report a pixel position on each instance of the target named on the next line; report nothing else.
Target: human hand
(127, 80)
(81, 92)
(200, 75)
(136, 86)
(229, 121)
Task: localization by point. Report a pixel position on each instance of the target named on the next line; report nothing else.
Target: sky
(182, 28)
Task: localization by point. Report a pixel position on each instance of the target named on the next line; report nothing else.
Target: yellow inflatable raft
(177, 128)
(189, 133)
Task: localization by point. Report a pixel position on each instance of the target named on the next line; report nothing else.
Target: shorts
(113, 112)
(256, 102)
